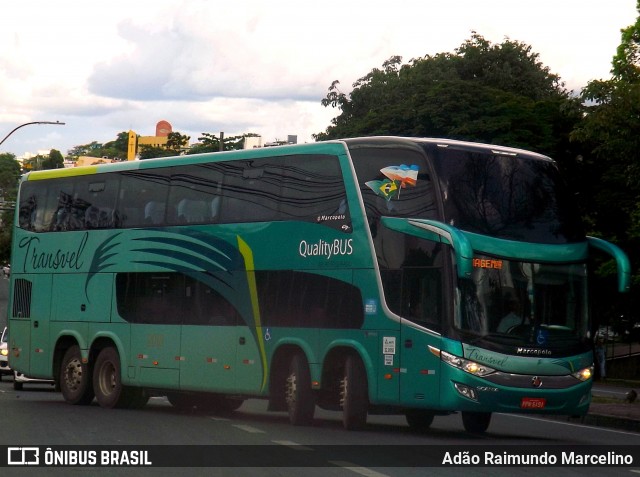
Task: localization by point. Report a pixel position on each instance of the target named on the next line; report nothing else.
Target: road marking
(293, 445)
(221, 419)
(250, 429)
(571, 424)
(595, 392)
(357, 469)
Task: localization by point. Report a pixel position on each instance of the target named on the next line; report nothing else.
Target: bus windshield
(524, 304)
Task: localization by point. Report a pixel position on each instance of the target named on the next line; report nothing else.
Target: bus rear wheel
(354, 394)
(298, 393)
(75, 378)
(110, 392)
(476, 421)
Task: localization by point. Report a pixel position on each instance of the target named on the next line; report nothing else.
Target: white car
(4, 353)
(19, 379)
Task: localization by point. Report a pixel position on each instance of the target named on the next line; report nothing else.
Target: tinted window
(251, 190)
(196, 193)
(412, 276)
(299, 299)
(516, 198)
(394, 182)
(313, 190)
(143, 197)
(307, 188)
(171, 298)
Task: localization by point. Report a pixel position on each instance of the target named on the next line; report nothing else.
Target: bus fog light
(466, 391)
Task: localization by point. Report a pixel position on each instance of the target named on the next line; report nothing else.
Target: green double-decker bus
(372, 275)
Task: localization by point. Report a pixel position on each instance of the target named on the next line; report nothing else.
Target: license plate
(532, 403)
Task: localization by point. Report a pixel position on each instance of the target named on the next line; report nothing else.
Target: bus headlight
(470, 367)
(584, 374)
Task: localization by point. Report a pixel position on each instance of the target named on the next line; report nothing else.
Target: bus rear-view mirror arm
(622, 261)
(438, 231)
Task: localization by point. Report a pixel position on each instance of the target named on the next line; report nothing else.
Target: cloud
(180, 62)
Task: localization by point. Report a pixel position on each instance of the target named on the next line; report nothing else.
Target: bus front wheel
(354, 394)
(75, 379)
(107, 385)
(298, 393)
(476, 421)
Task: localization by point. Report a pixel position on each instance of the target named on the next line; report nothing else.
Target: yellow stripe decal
(70, 172)
(246, 252)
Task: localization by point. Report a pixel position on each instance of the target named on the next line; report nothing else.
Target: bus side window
(154, 212)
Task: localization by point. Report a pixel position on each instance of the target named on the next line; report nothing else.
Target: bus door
(209, 341)
(156, 330)
(29, 346)
(422, 311)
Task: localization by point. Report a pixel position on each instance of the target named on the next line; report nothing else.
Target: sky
(252, 66)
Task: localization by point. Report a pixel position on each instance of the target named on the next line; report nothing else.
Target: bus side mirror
(458, 240)
(437, 232)
(622, 261)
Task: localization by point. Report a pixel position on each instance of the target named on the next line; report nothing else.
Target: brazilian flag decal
(397, 178)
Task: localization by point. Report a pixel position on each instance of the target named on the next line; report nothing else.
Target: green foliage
(53, 161)
(497, 94)
(609, 135)
(152, 152)
(177, 142)
(9, 175)
(116, 149)
(209, 142)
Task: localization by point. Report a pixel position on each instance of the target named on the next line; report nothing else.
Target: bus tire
(419, 419)
(299, 396)
(75, 378)
(107, 385)
(477, 422)
(354, 394)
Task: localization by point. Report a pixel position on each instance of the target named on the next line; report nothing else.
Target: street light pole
(27, 124)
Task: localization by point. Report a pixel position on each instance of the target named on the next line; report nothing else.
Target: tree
(112, 149)
(481, 92)
(209, 142)
(177, 142)
(9, 176)
(54, 160)
(610, 136)
(153, 152)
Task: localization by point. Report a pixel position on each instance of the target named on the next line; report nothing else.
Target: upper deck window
(394, 181)
(305, 187)
(515, 198)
